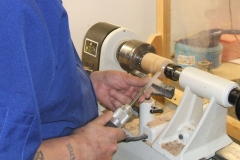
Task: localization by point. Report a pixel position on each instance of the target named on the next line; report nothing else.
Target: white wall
(187, 16)
(137, 15)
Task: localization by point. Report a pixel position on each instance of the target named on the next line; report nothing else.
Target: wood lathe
(194, 130)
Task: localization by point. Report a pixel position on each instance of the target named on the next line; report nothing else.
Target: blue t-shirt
(44, 91)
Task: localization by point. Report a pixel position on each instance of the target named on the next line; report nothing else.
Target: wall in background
(139, 16)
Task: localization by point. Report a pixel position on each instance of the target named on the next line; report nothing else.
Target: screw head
(180, 136)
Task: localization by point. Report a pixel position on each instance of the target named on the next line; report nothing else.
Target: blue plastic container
(186, 55)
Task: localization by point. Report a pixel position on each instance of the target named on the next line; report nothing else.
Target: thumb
(104, 118)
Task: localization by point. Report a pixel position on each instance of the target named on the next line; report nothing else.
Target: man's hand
(115, 88)
(94, 141)
(101, 141)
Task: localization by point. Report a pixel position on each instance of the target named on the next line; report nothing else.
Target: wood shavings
(158, 120)
(173, 148)
(133, 127)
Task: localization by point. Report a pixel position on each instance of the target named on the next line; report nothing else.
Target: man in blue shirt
(48, 104)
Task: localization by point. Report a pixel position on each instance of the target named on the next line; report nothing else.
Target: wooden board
(163, 26)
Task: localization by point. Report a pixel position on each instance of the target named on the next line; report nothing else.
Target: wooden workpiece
(152, 63)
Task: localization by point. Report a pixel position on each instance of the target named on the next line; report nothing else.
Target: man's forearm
(57, 148)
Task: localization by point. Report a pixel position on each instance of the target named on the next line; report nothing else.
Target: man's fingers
(104, 118)
(145, 96)
(119, 96)
(118, 133)
(118, 99)
(115, 104)
(136, 81)
(121, 135)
